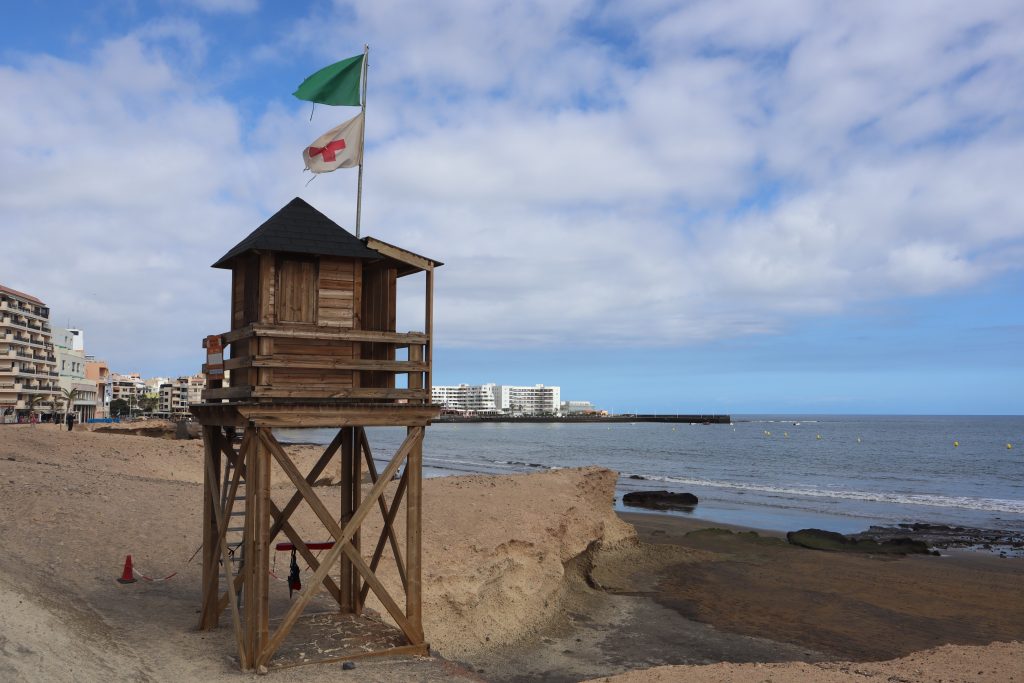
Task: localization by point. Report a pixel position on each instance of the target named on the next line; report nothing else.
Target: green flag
(334, 84)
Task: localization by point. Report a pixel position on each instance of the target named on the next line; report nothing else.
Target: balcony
(41, 389)
(36, 311)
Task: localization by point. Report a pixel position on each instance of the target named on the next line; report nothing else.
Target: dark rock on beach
(817, 539)
(944, 536)
(660, 500)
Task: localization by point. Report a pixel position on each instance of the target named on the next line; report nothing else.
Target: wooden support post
(415, 356)
(355, 500)
(209, 615)
(249, 567)
(428, 329)
(346, 578)
(259, 490)
(413, 538)
(244, 657)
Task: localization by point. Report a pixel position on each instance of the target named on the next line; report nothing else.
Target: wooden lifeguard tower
(313, 344)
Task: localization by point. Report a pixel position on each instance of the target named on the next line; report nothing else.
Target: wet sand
(687, 594)
(847, 606)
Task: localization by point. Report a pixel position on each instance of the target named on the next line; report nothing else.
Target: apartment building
(128, 388)
(465, 398)
(99, 372)
(499, 399)
(176, 396)
(28, 365)
(69, 349)
(535, 400)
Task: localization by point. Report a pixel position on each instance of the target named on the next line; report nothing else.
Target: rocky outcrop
(818, 539)
(660, 500)
(496, 551)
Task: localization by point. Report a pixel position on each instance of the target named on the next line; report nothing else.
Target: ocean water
(842, 473)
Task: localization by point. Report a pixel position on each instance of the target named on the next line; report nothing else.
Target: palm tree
(68, 396)
(33, 402)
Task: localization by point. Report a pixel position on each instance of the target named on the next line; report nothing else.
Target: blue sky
(660, 206)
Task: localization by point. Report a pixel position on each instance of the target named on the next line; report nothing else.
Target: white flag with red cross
(340, 147)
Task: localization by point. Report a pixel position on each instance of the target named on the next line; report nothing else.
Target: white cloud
(641, 173)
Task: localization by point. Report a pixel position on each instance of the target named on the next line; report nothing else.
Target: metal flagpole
(362, 141)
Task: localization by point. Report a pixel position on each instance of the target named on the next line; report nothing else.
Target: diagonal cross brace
(387, 514)
(303, 549)
(296, 498)
(385, 533)
(341, 536)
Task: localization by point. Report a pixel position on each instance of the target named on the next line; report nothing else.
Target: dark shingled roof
(300, 229)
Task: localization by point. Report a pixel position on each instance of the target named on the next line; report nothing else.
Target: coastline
(527, 576)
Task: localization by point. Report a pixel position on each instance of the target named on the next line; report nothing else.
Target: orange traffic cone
(128, 575)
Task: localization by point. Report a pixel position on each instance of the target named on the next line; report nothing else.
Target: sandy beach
(526, 577)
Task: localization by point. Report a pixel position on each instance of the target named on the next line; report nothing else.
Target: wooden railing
(416, 367)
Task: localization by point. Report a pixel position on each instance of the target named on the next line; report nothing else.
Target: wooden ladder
(235, 525)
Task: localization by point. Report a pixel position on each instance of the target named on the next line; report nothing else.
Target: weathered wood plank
(227, 392)
(362, 335)
(413, 537)
(428, 328)
(400, 254)
(276, 361)
(209, 614)
(347, 603)
(259, 497)
(243, 657)
(356, 392)
(419, 650)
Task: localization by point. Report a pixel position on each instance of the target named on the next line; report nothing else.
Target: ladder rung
(237, 513)
(236, 528)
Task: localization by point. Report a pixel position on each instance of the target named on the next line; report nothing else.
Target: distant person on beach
(70, 419)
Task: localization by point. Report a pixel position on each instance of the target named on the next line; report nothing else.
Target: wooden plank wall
(245, 309)
(336, 285)
(324, 293)
(379, 310)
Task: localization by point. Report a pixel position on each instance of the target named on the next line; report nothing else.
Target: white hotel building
(499, 399)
